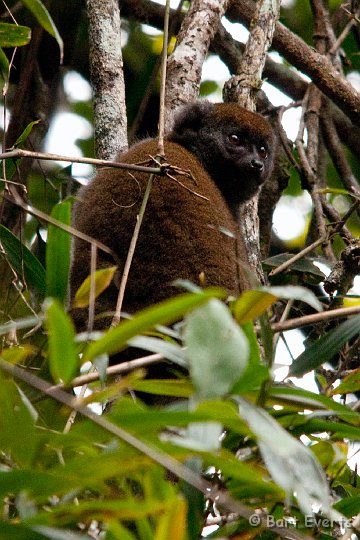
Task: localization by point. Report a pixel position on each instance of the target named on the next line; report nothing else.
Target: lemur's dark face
(236, 146)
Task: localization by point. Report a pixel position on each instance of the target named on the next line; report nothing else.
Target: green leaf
(304, 399)
(13, 35)
(22, 260)
(252, 304)
(195, 501)
(103, 278)
(293, 292)
(128, 509)
(165, 312)
(24, 135)
(4, 66)
(291, 464)
(164, 387)
(116, 531)
(325, 347)
(350, 383)
(349, 506)
(217, 349)
(172, 523)
(16, 417)
(16, 531)
(255, 372)
(42, 15)
(63, 360)
(304, 265)
(15, 355)
(171, 351)
(338, 430)
(58, 247)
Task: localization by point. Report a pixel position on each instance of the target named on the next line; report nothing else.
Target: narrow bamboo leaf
(172, 523)
(294, 292)
(291, 464)
(164, 387)
(252, 304)
(165, 312)
(63, 360)
(13, 35)
(339, 430)
(241, 473)
(22, 260)
(24, 135)
(17, 417)
(114, 530)
(14, 355)
(125, 510)
(42, 15)
(335, 191)
(103, 279)
(17, 531)
(304, 265)
(171, 351)
(255, 372)
(349, 506)
(304, 399)
(351, 383)
(217, 349)
(58, 247)
(325, 347)
(4, 66)
(195, 501)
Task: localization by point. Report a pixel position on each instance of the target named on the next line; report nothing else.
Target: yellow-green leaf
(14, 355)
(13, 35)
(42, 15)
(351, 383)
(172, 523)
(103, 279)
(58, 247)
(252, 304)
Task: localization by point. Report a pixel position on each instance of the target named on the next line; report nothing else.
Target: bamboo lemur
(230, 153)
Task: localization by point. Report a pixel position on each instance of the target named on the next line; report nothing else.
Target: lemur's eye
(263, 152)
(234, 139)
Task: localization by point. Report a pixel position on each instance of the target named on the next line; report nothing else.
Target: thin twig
(317, 243)
(314, 318)
(300, 255)
(139, 218)
(123, 367)
(20, 153)
(337, 44)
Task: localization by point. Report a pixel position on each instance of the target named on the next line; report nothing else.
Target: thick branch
(106, 67)
(244, 87)
(317, 66)
(230, 53)
(192, 45)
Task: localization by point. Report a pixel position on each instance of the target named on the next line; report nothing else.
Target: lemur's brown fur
(229, 152)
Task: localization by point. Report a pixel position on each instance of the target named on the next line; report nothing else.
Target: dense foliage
(237, 454)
